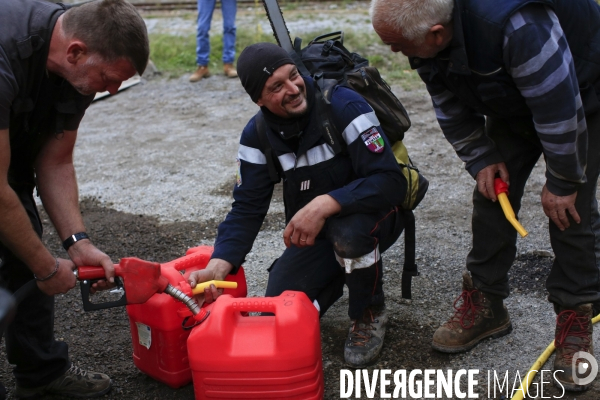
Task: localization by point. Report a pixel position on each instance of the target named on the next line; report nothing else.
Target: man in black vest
(511, 80)
(52, 62)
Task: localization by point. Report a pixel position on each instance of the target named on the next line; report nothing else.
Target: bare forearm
(16, 231)
(17, 234)
(57, 186)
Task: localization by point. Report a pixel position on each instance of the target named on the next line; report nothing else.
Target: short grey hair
(413, 17)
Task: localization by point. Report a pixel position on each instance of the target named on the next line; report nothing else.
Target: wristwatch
(71, 240)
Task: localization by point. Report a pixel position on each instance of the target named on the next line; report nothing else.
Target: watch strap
(71, 240)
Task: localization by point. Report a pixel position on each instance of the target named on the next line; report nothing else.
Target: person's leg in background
(229, 9)
(205, 13)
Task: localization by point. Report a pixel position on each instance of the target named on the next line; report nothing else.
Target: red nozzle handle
(500, 186)
(85, 272)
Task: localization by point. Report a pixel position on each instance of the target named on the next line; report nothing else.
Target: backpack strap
(296, 56)
(323, 92)
(275, 169)
(410, 267)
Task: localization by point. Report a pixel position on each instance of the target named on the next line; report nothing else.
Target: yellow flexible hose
(510, 214)
(537, 365)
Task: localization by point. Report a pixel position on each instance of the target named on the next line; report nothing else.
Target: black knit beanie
(257, 63)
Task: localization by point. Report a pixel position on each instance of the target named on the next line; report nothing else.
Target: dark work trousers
(575, 274)
(315, 270)
(30, 344)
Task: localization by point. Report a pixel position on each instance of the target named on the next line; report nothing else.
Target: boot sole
(495, 334)
(199, 79)
(36, 394)
(364, 363)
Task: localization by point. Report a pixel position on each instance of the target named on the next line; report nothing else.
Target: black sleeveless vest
(42, 103)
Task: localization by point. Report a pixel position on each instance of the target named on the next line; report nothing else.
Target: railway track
(166, 5)
(192, 4)
(173, 5)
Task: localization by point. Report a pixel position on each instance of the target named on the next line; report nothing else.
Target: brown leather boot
(478, 315)
(229, 71)
(573, 334)
(201, 72)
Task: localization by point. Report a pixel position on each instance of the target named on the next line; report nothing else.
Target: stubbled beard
(295, 114)
(79, 78)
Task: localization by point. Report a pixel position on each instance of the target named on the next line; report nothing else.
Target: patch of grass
(176, 55)
(173, 55)
(289, 5)
(394, 67)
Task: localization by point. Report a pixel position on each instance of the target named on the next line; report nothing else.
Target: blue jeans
(205, 13)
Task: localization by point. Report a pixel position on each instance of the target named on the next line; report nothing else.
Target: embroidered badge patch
(238, 174)
(373, 140)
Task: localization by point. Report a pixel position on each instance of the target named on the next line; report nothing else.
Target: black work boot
(478, 315)
(573, 334)
(365, 338)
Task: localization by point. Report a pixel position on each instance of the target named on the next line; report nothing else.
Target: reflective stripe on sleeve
(359, 125)
(251, 155)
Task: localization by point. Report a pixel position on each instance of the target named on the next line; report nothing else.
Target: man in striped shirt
(510, 81)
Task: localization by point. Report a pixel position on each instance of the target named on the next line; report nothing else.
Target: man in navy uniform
(341, 209)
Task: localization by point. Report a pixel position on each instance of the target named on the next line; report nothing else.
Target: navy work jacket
(364, 179)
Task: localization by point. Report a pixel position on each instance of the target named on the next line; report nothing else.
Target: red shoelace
(360, 335)
(565, 322)
(468, 309)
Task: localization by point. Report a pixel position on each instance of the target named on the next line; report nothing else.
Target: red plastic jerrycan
(236, 355)
(159, 340)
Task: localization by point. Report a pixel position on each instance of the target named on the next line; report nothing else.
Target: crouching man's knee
(353, 245)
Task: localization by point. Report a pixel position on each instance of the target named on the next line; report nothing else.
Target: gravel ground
(156, 165)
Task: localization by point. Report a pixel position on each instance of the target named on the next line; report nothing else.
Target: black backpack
(329, 63)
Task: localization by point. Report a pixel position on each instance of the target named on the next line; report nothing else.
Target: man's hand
(63, 281)
(84, 253)
(304, 227)
(217, 270)
(556, 207)
(485, 179)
